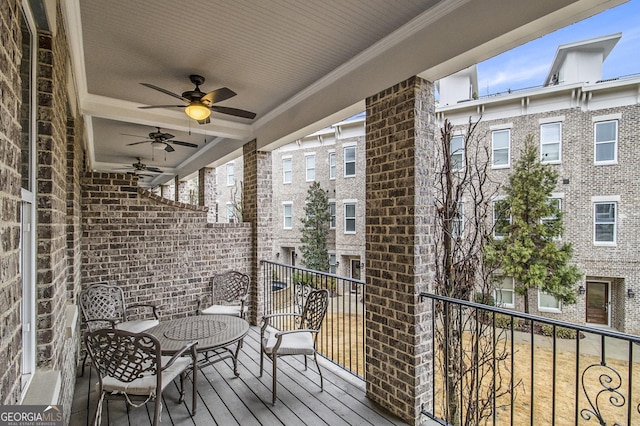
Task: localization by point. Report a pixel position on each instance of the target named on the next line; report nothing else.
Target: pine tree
(529, 251)
(315, 229)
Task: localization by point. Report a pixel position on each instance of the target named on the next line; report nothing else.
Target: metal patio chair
(103, 306)
(229, 293)
(301, 341)
(130, 366)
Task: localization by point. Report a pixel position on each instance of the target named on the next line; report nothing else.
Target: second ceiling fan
(199, 105)
(162, 140)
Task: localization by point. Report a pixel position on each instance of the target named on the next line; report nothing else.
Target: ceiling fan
(198, 105)
(141, 169)
(161, 140)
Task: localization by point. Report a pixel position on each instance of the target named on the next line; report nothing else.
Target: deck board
(224, 399)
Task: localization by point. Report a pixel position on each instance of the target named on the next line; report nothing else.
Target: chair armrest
(301, 330)
(146, 305)
(181, 352)
(266, 319)
(200, 300)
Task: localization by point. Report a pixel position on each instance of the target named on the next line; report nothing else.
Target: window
(549, 220)
(349, 217)
(332, 264)
(604, 232)
(287, 172)
(231, 179)
(349, 161)
(332, 215)
(501, 218)
(230, 213)
(550, 143)
(310, 162)
(503, 293)
(606, 142)
(287, 215)
(548, 303)
(501, 148)
(332, 165)
(457, 225)
(457, 152)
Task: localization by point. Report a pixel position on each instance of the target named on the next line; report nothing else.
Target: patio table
(214, 333)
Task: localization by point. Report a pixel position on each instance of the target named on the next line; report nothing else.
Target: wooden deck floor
(225, 400)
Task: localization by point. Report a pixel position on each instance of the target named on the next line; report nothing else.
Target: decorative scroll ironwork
(611, 381)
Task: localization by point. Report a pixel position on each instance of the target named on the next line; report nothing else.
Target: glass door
(597, 302)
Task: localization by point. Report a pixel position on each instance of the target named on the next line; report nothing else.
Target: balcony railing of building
(341, 339)
(500, 367)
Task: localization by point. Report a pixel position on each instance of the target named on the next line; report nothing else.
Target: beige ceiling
(298, 64)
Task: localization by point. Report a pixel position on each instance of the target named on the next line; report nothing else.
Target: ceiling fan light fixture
(157, 145)
(197, 110)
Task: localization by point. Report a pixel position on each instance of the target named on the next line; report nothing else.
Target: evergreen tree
(531, 224)
(315, 229)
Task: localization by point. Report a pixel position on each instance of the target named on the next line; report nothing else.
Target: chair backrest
(315, 309)
(102, 301)
(230, 286)
(123, 355)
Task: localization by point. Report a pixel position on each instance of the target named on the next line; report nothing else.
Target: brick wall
(399, 247)
(157, 250)
(10, 335)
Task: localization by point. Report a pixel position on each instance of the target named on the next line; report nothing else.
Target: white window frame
(332, 165)
(495, 219)
(231, 177)
(548, 143)
(309, 170)
(560, 198)
(287, 171)
(332, 262)
(500, 290)
(286, 204)
(612, 200)
(332, 214)
(353, 218)
(346, 163)
(456, 153)
(541, 308)
(596, 142)
(493, 149)
(230, 212)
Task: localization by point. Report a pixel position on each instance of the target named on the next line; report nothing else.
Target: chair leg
(84, 362)
(156, 411)
(181, 398)
(261, 360)
(305, 362)
(315, 357)
(274, 359)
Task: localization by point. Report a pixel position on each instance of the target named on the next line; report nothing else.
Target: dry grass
(342, 340)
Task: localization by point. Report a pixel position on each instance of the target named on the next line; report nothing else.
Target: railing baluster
(553, 385)
(532, 375)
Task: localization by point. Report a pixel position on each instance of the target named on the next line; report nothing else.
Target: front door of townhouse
(597, 302)
(355, 274)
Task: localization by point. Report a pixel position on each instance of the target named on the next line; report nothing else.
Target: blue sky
(528, 65)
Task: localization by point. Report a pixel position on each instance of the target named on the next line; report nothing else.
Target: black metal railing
(500, 367)
(341, 339)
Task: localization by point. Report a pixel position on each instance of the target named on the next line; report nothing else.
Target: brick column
(400, 136)
(207, 191)
(257, 209)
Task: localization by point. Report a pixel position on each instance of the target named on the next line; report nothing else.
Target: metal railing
(341, 339)
(500, 367)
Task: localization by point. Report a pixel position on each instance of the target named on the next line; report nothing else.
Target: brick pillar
(257, 209)
(400, 136)
(207, 191)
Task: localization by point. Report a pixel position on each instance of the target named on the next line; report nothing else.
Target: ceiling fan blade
(135, 136)
(136, 143)
(168, 148)
(188, 144)
(233, 111)
(166, 136)
(218, 95)
(165, 91)
(205, 121)
(161, 106)
(153, 170)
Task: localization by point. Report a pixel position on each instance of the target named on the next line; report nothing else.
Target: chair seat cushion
(292, 344)
(224, 310)
(137, 326)
(146, 385)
